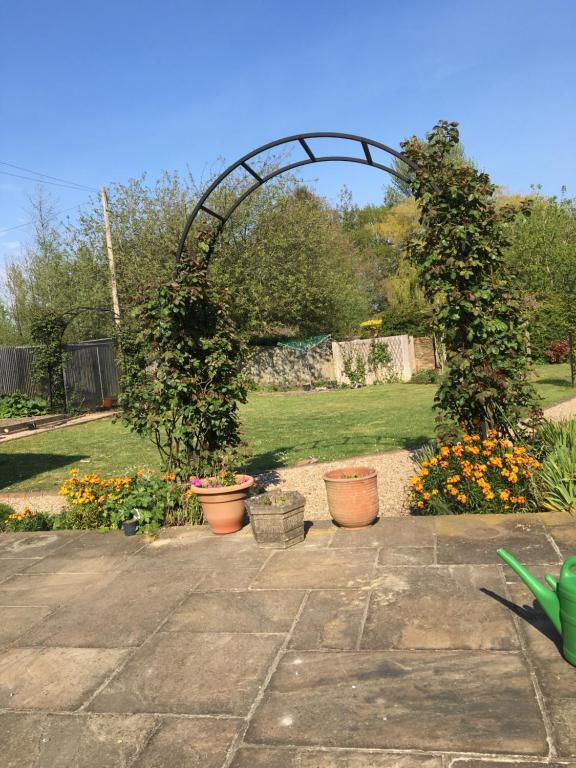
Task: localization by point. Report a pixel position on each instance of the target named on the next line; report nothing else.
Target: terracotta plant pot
(352, 496)
(107, 402)
(223, 507)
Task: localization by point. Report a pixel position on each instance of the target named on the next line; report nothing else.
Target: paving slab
(319, 533)
(415, 556)
(53, 678)
(317, 569)
(475, 539)
(189, 743)
(206, 552)
(298, 758)
(331, 619)
(452, 700)
(94, 552)
(259, 611)
(466, 763)
(562, 713)
(18, 619)
(46, 589)
(191, 673)
(11, 565)
(556, 677)
(37, 544)
(72, 741)
(443, 607)
(388, 532)
(130, 605)
(565, 538)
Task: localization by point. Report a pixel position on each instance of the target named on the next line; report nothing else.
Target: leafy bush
(18, 404)
(556, 482)
(183, 363)
(18, 522)
(5, 510)
(104, 503)
(426, 377)
(557, 352)
(475, 475)
(411, 319)
(547, 324)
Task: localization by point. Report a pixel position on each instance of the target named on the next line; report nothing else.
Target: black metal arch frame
(302, 139)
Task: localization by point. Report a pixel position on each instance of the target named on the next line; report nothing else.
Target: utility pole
(115, 304)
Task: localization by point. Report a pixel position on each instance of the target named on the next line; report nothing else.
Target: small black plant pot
(130, 527)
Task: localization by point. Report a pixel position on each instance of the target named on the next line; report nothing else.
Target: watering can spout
(547, 599)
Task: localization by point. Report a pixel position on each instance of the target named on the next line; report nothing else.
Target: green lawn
(280, 430)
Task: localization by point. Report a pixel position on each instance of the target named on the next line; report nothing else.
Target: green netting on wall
(308, 343)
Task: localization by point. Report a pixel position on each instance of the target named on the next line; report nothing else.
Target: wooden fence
(89, 374)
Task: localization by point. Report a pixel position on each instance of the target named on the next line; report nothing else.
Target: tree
(54, 278)
(542, 255)
(295, 269)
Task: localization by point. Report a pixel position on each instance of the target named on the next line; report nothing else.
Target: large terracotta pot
(223, 507)
(352, 496)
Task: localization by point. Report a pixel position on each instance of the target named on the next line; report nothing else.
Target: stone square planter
(277, 518)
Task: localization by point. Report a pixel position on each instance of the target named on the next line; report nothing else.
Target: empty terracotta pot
(352, 496)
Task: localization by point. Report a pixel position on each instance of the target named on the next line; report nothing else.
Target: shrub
(557, 352)
(183, 362)
(5, 510)
(547, 324)
(556, 483)
(18, 522)
(426, 377)
(96, 502)
(18, 404)
(475, 475)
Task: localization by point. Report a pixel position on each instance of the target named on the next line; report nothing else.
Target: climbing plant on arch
(478, 312)
(183, 379)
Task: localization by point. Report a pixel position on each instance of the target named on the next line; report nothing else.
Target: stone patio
(406, 644)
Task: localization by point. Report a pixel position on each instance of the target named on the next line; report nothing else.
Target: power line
(47, 176)
(54, 183)
(48, 218)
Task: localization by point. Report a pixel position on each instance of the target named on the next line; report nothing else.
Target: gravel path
(394, 470)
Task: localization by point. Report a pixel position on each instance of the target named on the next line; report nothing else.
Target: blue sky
(100, 92)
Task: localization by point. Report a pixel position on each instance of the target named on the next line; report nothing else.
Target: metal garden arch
(302, 139)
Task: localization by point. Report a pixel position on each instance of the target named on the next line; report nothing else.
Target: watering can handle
(567, 567)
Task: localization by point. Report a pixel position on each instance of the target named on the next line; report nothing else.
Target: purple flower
(196, 482)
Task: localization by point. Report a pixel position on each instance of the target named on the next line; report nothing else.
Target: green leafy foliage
(5, 511)
(47, 330)
(20, 522)
(19, 404)
(426, 377)
(182, 362)
(105, 503)
(473, 475)
(557, 481)
(477, 310)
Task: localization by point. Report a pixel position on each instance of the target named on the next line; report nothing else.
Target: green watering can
(559, 602)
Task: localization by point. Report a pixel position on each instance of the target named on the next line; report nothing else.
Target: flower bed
(105, 503)
(475, 475)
